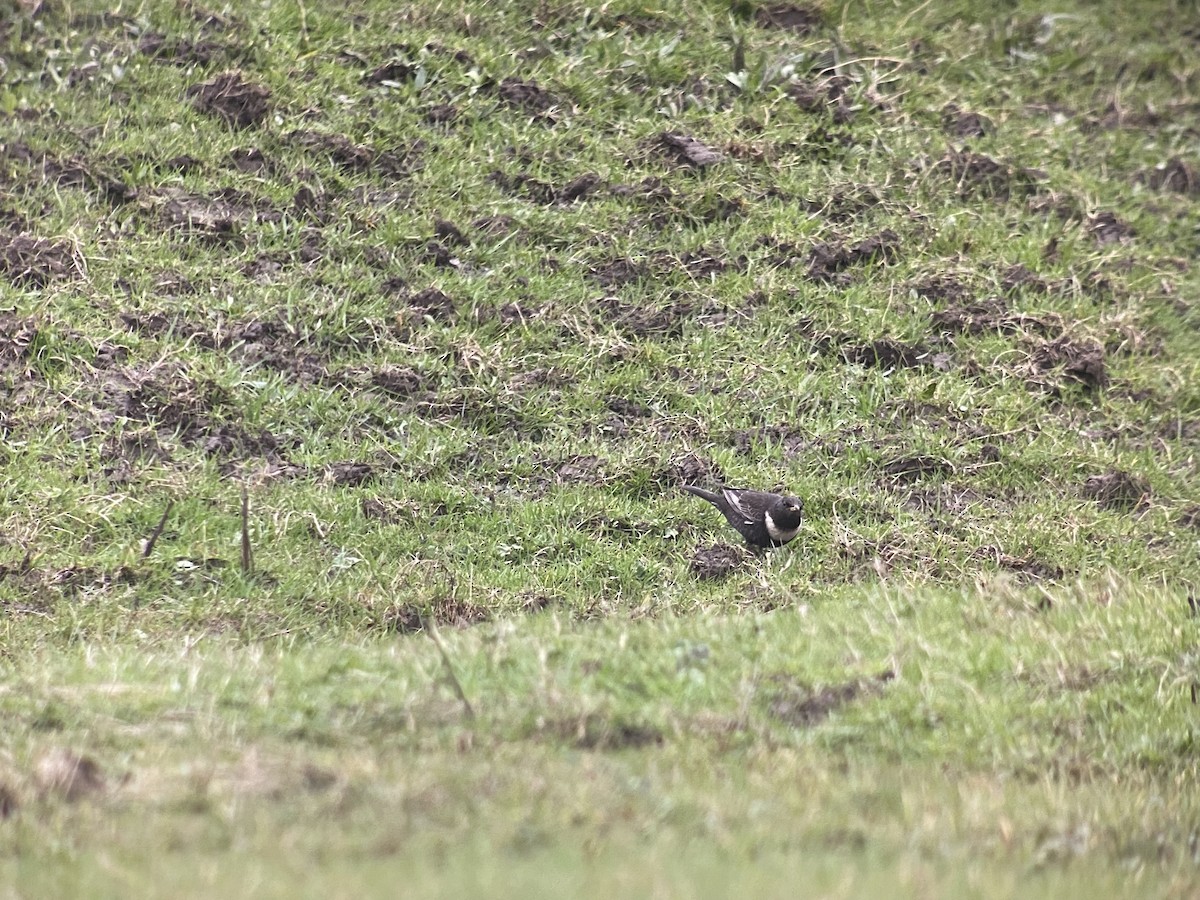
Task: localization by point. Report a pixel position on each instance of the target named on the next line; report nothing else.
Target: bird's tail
(701, 492)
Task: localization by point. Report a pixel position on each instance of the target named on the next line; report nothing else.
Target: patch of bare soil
(914, 468)
(64, 773)
(603, 732)
(690, 469)
(1175, 176)
(802, 705)
(1079, 362)
(429, 304)
(688, 150)
(1029, 567)
(993, 315)
(1106, 228)
(531, 98)
(716, 561)
(231, 97)
(184, 52)
(649, 321)
(543, 192)
(28, 261)
(410, 618)
(942, 287)
(196, 413)
(1190, 517)
(830, 95)
(801, 19)
(351, 157)
(958, 122)
(979, 175)
(1116, 489)
(828, 259)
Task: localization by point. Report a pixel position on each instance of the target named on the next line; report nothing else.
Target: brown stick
(247, 554)
(158, 529)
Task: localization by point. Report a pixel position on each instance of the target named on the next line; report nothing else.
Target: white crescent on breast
(783, 535)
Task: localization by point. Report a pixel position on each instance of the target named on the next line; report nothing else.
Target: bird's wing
(737, 503)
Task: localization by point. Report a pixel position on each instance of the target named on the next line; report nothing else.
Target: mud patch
(1190, 518)
(888, 355)
(603, 732)
(230, 97)
(690, 469)
(907, 469)
(1174, 176)
(993, 315)
(802, 705)
(716, 561)
(1117, 489)
(1080, 362)
(799, 19)
(33, 262)
(1028, 567)
(350, 157)
(531, 98)
(828, 259)
(979, 175)
(962, 123)
(410, 618)
(1106, 228)
(544, 193)
(688, 151)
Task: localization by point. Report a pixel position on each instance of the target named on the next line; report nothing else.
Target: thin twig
(431, 630)
(247, 555)
(158, 529)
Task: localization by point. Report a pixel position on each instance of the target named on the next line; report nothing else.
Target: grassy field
(456, 296)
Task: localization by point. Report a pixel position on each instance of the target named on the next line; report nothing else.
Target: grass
(458, 320)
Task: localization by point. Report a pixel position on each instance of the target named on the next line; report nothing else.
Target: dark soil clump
(231, 97)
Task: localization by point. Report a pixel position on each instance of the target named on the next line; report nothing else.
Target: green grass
(992, 422)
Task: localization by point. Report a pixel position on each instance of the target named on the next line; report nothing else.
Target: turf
(456, 295)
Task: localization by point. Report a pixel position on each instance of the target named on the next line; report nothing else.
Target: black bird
(762, 518)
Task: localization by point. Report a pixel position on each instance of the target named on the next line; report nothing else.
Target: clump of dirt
(1079, 361)
(67, 774)
(400, 381)
(959, 122)
(180, 51)
(797, 18)
(34, 262)
(979, 175)
(603, 731)
(441, 114)
(1106, 228)
(690, 469)
(688, 150)
(580, 469)
(530, 97)
(717, 561)
(351, 157)
(1175, 176)
(216, 219)
(941, 287)
(993, 315)
(801, 705)
(754, 441)
(829, 94)
(647, 321)
(1029, 567)
(229, 96)
(828, 259)
(1117, 489)
(543, 192)
(429, 303)
(887, 354)
(914, 468)
(410, 618)
(1190, 517)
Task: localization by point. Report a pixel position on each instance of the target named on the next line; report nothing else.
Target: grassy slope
(524, 458)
